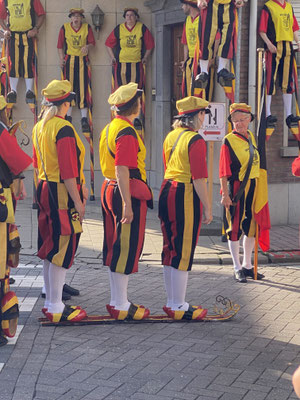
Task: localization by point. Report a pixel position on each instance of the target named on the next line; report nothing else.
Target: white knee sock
(234, 248)
(248, 246)
(69, 112)
(112, 288)
(57, 276)
(179, 284)
(46, 288)
(84, 112)
(121, 285)
(287, 101)
(168, 284)
(204, 65)
(268, 104)
(13, 83)
(222, 63)
(29, 83)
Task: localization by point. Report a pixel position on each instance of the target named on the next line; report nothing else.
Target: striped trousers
(21, 56)
(76, 71)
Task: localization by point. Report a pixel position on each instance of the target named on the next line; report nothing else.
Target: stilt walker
(75, 40)
(129, 46)
(278, 28)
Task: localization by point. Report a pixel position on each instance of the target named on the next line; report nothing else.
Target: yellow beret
(76, 10)
(191, 105)
(192, 3)
(124, 96)
(241, 107)
(58, 92)
(135, 10)
(3, 103)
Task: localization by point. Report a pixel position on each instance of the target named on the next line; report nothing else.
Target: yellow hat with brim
(75, 11)
(58, 92)
(135, 10)
(190, 106)
(192, 3)
(124, 97)
(3, 103)
(240, 107)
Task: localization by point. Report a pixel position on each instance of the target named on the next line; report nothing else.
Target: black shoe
(65, 296)
(68, 118)
(240, 276)
(292, 121)
(202, 80)
(12, 281)
(85, 125)
(224, 77)
(11, 97)
(70, 290)
(30, 97)
(271, 121)
(3, 340)
(250, 274)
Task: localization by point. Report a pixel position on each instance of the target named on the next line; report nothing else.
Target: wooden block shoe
(69, 314)
(44, 309)
(193, 313)
(135, 312)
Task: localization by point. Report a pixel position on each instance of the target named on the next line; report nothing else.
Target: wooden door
(177, 58)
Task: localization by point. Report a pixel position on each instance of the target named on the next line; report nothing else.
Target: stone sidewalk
(251, 357)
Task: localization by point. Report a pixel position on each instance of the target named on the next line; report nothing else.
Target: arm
(297, 40)
(35, 30)
(71, 186)
(122, 174)
(296, 382)
(146, 56)
(85, 49)
(6, 29)
(111, 55)
(226, 200)
(201, 190)
(271, 47)
(61, 56)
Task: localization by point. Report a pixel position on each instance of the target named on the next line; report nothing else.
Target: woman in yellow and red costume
(278, 28)
(183, 194)
(58, 156)
(239, 217)
(75, 40)
(124, 198)
(13, 160)
(129, 46)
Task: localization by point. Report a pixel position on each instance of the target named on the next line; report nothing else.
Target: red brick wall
(279, 168)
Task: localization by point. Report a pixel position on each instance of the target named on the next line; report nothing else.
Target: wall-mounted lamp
(98, 19)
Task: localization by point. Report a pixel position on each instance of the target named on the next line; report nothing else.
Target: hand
(226, 201)
(202, 4)
(239, 3)
(85, 194)
(113, 61)
(80, 208)
(33, 32)
(272, 48)
(207, 216)
(23, 193)
(62, 63)
(181, 65)
(7, 34)
(85, 50)
(127, 214)
(144, 60)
